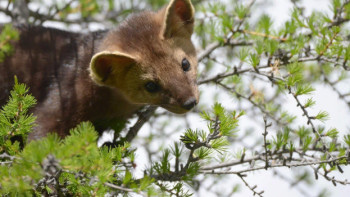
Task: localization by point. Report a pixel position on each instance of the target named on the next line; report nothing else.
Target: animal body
(107, 75)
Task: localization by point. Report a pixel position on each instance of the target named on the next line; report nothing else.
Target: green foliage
(304, 89)
(202, 145)
(7, 35)
(157, 4)
(333, 133)
(322, 116)
(254, 59)
(282, 139)
(259, 47)
(243, 54)
(303, 132)
(222, 121)
(88, 8)
(265, 24)
(347, 139)
(306, 143)
(75, 162)
(14, 120)
(240, 10)
(295, 74)
(309, 103)
(85, 8)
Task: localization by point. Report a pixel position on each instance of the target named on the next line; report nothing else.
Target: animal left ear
(108, 68)
(179, 19)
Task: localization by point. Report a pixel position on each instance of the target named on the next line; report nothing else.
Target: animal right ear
(179, 19)
(107, 67)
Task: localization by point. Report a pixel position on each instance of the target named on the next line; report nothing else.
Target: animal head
(150, 58)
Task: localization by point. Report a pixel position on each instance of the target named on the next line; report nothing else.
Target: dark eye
(185, 65)
(152, 87)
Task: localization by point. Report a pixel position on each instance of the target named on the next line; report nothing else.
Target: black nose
(190, 103)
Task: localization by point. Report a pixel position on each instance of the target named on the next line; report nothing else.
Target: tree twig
(124, 189)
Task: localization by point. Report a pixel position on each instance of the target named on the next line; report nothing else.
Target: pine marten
(106, 75)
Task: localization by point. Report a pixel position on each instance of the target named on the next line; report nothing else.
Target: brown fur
(147, 47)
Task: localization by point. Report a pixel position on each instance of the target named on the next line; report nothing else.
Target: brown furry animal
(102, 76)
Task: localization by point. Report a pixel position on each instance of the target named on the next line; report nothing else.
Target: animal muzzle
(181, 107)
(181, 98)
(190, 103)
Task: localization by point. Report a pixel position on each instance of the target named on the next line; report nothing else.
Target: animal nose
(190, 103)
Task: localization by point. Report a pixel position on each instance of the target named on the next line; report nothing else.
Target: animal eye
(185, 65)
(152, 87)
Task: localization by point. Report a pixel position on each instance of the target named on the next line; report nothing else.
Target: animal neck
(105, 102)
(109, 103)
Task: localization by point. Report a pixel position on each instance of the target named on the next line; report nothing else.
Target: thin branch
(289, 165)
(124, 189)
(213, 46)
(267, 125)
(332, 85)
(143, 118)
(7, 156)
(263, 35)
(337, 18)
(275, 155)
(208, 50)
(327, 45)
(293, 183)
(224, 75)
(332, 179)
(252, 188)
(309, 119)
(260, 107)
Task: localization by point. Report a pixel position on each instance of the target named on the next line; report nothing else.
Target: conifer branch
(215, 45)
(331, 179)
(263, 35)
(289, 165)
(333, 84)
(249, 99)
(267, 125)
(309, 120)
(143, 117)
(124, 189)
(252, 188)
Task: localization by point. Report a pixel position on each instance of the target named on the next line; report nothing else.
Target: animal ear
(107, 67)
(179, 19)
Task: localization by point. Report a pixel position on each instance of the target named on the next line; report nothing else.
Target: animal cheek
(141, 96)
(129, 89)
